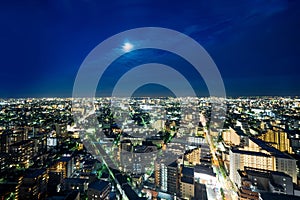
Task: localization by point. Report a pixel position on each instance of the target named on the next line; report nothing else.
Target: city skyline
(150, 100)
(150, 148)
(254, 44)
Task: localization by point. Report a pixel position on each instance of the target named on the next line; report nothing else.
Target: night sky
(255, 44)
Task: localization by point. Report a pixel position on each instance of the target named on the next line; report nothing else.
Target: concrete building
(34, 184)
(277, 138)
(259, 155)
(22, 152)
(187, 183)
(193, 156)
(160, 176)
(64, 165)
(260, 180)
(234, 136)
(172, 178)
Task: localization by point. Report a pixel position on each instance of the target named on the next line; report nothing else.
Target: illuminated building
(40, 143)
(126, 145)
(4, 142)
(22, 152)
(61, 130)
(18, 135)
(205, 155)
(193, 156)
(156, 174)
(9, 137)
(160, 175)
(65, 166)
(245, 192)
(199, 130)
(233, 136)
(277, 138)
(10, 190)
(259, 155)
(4, 161)
(240, 158)
(167, 176)
(139, 160)
(34, 184)
(196, 141)
(159, 124)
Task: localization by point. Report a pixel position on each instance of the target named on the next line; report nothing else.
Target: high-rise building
(277, 138)
(172, 178)
(9, 137)
(40, 143)
(205, 155)
(157, 173)
(167, 177)
(22, 152)
(4, 141)
(187, 183)
(161, 176)
(241, 158)
(34, 184)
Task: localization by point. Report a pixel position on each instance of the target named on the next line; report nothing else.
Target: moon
(127, 46)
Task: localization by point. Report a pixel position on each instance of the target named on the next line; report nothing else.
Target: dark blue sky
(255, 44)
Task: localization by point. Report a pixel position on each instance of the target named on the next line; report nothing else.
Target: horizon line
(231, 96)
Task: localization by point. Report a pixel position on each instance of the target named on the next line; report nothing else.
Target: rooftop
(270, 149)
(235, 150)
(188, 171)
(99, 185)
(188, 180)
(34, 173)
(204, 169)
(76, 180)
(274, 196)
